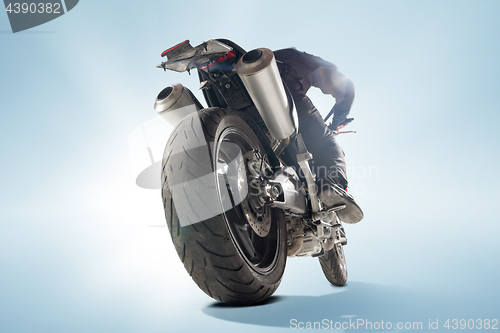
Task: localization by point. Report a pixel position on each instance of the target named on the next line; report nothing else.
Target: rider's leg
(329, 164)
(329, 160)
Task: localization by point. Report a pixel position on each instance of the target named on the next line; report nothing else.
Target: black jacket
(301, 71)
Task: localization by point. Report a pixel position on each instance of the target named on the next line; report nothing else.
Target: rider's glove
(336, 123)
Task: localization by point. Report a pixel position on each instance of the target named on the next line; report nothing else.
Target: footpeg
(322, 214)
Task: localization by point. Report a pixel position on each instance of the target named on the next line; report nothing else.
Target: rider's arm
(331, 81)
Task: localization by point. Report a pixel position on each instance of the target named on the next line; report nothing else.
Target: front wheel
(234, 249)
(333, 263)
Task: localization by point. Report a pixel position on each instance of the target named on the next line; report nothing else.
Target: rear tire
(219, 249)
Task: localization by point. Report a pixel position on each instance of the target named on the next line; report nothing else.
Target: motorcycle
(237, 187)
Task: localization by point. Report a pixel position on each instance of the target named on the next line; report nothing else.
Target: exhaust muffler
(259, 73)
(175, 102)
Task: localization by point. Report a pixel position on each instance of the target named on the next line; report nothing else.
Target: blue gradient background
(83, 249)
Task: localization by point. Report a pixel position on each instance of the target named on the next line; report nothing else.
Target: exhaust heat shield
(259, 73)
(175, 102)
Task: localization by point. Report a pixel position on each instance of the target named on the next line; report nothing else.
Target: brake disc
(259, 218)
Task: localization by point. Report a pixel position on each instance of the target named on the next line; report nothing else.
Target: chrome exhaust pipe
(175, 102)
(260, 76)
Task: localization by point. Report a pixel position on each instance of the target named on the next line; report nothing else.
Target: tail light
(229, 55)
(164, 53)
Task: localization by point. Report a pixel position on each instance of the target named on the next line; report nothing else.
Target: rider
(301, 71)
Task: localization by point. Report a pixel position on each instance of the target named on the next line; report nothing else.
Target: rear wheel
(234, 249)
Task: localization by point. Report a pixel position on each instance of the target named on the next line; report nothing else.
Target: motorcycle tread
(332, 269)
(205, 248)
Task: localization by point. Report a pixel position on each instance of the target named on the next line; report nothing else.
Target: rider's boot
(331, 194)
